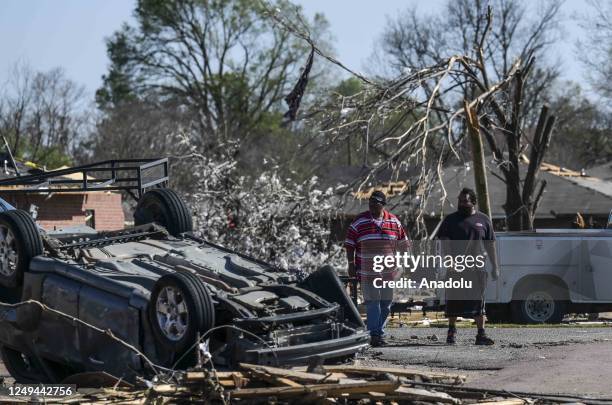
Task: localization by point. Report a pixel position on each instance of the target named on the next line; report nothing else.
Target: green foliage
(223, 59)
(118, 85)
(50, 157)
(349, 87)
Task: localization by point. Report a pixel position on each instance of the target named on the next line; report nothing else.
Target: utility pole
(480, 174)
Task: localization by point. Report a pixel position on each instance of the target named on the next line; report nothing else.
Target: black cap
(378, 197)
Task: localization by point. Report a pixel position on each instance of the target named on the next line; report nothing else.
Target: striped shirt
(370, 239)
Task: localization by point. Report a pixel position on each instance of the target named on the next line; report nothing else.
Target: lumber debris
(258, 384)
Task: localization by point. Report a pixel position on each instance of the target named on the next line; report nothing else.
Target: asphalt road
(560, 360)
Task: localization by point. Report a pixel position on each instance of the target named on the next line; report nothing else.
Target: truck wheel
(23, 368)
(541, 303)
(19, 242)
(180, 308)
(164, 207)
(325, 283)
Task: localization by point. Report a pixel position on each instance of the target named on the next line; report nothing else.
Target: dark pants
(467, 302)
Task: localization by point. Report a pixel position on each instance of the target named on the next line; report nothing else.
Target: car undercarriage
(156, 296)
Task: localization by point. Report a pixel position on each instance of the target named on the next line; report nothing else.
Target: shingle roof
(563, 195)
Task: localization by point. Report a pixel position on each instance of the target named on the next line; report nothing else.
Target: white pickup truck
(548, 273)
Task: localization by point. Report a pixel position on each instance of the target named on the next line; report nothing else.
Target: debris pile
(345, 384)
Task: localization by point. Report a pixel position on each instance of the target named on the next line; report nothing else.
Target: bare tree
(596, 51)
(583, 131)
(425, 127)
(42, 114)
(413, 41)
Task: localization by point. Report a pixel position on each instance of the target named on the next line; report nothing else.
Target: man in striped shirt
(375, 232)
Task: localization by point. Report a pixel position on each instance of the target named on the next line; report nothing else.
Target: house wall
(108, 211)
(61, 210)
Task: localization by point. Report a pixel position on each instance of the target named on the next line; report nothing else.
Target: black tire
(200, 316)
(25, 369)
(539, 302)
(164, 207)
(325, 283)
(24, 242)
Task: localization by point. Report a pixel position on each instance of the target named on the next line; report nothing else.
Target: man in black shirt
(468, 232)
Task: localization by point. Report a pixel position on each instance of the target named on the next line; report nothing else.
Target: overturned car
(154, 295)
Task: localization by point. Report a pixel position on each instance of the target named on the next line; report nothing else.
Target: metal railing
(110, 175)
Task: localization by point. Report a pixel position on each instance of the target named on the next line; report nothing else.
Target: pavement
(557, 360)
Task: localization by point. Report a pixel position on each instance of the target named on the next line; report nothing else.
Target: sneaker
(484, 340)
(377, 341)
(450, 338)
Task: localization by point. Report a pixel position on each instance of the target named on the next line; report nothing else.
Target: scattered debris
(264, 384)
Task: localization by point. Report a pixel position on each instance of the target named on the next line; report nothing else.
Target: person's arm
(350, 243)
(350, 258)
(404, 242)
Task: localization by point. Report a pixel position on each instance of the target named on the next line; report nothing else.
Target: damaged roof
(567, 192)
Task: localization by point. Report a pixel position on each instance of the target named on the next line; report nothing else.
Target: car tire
(541, 302)
(20, 241)
(23, 368)
(176, 322)
(164, 207)
(325, 283)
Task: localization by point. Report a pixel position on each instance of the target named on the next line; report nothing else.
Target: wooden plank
(239, 380)
(331, 390)
(227, 379)
(258, 373)
(169, 389)
(399, 372)
(201, 375)
(295, 375)
(425, 395)
(286, 381)
(514, 401)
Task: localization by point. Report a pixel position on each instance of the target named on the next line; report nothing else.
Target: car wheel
(164, 207)
(540, 304)
(20, 241)
(181, 307)
(325, 283)
(23, 368)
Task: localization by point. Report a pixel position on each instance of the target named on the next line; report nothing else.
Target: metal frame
(109, 171)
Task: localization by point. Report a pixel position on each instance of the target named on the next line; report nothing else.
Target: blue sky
(71, 33)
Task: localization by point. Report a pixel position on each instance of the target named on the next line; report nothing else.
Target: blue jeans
(377, 313)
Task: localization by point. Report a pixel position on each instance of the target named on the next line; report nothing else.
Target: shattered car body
(120, 301)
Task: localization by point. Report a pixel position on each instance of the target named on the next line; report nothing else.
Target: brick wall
(107, 209)
(61, 210)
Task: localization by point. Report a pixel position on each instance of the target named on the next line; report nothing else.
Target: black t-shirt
(469, 232)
